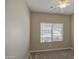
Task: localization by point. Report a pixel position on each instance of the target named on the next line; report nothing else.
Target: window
(50, 32)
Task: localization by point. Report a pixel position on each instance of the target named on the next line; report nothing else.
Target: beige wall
(72, 29)
(37, 18)
(17, 23)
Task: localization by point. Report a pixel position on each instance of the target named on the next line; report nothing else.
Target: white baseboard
(32, 51)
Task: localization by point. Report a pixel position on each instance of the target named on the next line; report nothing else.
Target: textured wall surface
(17, 24)
(72, 29)
(37, 18)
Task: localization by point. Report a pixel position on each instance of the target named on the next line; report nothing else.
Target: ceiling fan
(61, 3)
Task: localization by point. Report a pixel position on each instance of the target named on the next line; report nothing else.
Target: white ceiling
(44, 6)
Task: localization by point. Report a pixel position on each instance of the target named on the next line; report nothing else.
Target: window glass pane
(57, 37)
(45, 32)
(57, 32)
